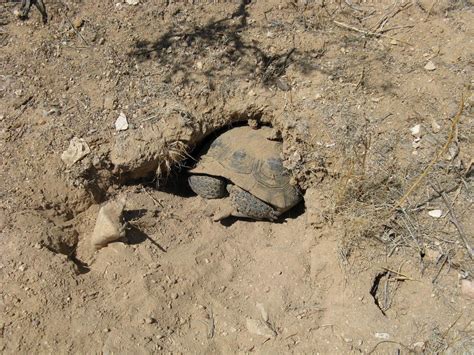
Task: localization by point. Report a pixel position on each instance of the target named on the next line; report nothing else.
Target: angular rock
(109, 225)
(121, 124)
(77, 150)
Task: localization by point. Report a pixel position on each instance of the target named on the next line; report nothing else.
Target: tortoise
(247, 166)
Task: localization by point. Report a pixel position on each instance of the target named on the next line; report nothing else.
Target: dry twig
(445, 258)
(455, 221)
(72, 25)
(383, 21)
(392, 342)
(153, 198)
(430, 9)
(440, 153)
(405, 277)
(367, 33)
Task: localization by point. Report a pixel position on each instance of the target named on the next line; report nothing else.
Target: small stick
(361, 79)
(154, 199)
(368, 33)
(445, 258)
(396, 28)
(385, 18)
(385, 301)
(389, 341)
(451, 326)
(399, 273)
(429, 10)
(71, 24)
(212, 325)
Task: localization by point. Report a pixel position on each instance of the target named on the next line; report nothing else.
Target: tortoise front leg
(42, 9)
(247, 205)
(26, 7)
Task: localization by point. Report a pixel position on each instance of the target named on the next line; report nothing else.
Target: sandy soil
(361, 267)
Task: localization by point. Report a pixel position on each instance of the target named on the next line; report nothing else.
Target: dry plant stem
(445, 259)
(72, 26)
(455, 221)
(391, 342)
(386, 17)
(367, 33)
(386, 302)
(415, 239)
(452, 325)
(154, 199)
(212, 327)
(440, 153)
(399, 273)
(435, 196)
(429, 11)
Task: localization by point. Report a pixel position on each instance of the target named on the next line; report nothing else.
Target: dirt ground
(378, 259)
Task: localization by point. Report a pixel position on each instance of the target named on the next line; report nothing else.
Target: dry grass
(370, 198)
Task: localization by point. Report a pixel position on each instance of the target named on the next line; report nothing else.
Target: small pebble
(435, 127)
(435, 213)
(430, 66)
(416, 130)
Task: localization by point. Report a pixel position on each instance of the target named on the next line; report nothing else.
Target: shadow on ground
(178, 48)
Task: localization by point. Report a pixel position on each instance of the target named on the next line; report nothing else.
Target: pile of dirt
(373, 103)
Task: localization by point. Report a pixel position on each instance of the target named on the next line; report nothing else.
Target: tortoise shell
(251, 161)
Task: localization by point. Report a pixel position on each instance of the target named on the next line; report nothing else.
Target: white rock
(416, 130)
(435, 213)
(430, 66)
(77, 150)
(132, 2)
(384, 336)
(121, 124)
(109, 225)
